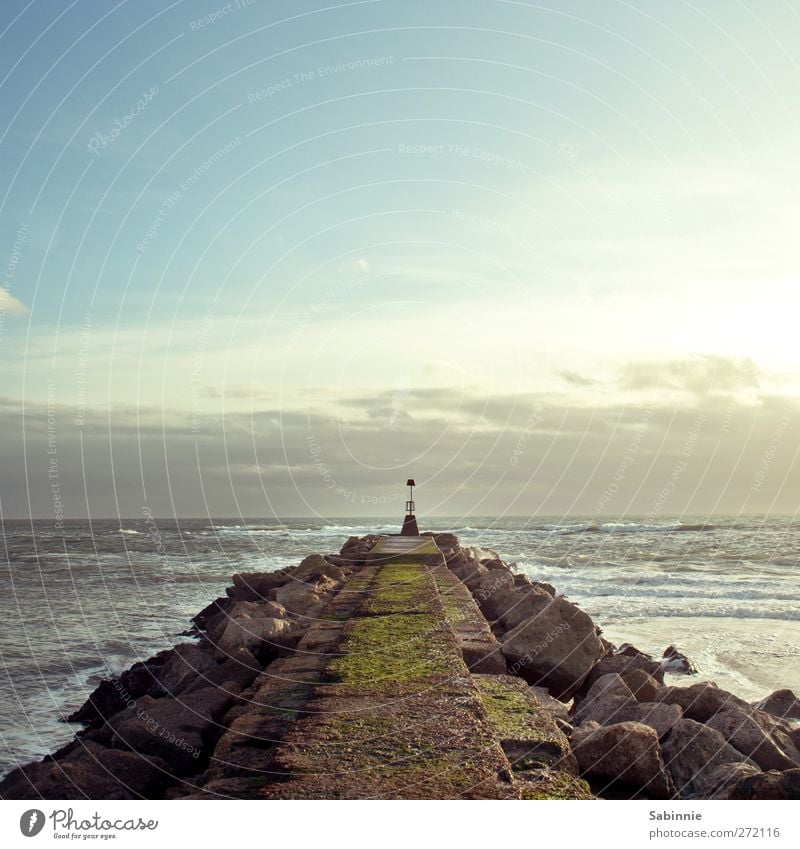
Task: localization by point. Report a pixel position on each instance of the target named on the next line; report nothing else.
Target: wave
(788, 614)
(635, 527)
(130, 531)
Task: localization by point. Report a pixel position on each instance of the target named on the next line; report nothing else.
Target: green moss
(555, 785)
(400, 587)
(397, 648)
(512, 713)
(453, 606)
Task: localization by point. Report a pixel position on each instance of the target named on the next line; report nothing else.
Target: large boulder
(211, 611)
(782, 703)
(446, 543)
(112, 694)
(768, 785)
(692, 751)
(659, 716)
(700, 701)
(555, 649)
(238, 668)
(260, 635)
(314, 567)
(625, 753)
(622, 663)
(306, 599)
(256, 586)
(89, 771)
(356, 549)
(604, 701)
(720, 781)
(184, 665)
(643, 686)
(507, 605)
(742, 731)
(175, 730)
(495, 564)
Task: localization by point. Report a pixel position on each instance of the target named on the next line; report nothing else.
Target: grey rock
(700, 701)
(555, 649)
(782, 703)
(744, 733)
(626, 753)
(768, 785)
(692, 751)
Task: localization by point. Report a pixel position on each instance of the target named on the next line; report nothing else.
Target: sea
(86, 600)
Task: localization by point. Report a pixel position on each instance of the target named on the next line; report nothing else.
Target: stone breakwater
(447, 675)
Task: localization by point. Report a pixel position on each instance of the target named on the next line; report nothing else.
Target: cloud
(575, 379)
(701, 375)
(10, 305)
(488, 455)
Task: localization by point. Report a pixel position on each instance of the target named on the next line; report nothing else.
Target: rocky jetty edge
(449, 675)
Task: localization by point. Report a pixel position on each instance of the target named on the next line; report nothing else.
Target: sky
(270, 259)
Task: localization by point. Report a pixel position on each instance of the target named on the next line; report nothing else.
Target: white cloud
(10, 305)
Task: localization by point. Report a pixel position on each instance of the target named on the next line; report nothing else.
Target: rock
(356, 549)
(522, 580)
(184, 665)
(305, 600)
(256, 610)
(721, 780)
(210, 611)
(742, 731)
(177, 731)
(677, 662)
(700, 701)
(256, 586)
(659, 716)
(111, 695)
(507, 606)
(342, 562)
(465, 568)
(446, 542)
(495, 564)
(548, 588)
(530, 601)
(608, 647)
(780, 731)
(484, 583)
(602, 704)
(768, 785)
(629, 650)
(315, 566)
(626, 753)
(692, 751)
(782, 703)
(621, 663)
(89, 772)
(643, 686)
(555, 649)
(262, 636)
(239, 668)
(557, 709)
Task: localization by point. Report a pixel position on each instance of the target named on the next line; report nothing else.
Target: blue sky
(235, 227)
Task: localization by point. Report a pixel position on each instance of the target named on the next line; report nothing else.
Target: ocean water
(89, 600)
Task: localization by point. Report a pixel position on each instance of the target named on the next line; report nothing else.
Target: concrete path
(379, 701)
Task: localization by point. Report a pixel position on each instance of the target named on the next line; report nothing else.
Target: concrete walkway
(379, 702)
